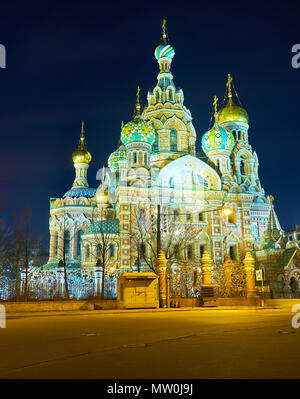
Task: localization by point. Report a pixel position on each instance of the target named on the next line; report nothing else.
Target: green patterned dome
(138, 131)
(217, 138)
(116, 157)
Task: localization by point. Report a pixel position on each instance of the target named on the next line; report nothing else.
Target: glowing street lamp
(227, 211)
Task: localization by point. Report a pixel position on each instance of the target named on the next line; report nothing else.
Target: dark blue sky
(68, 61)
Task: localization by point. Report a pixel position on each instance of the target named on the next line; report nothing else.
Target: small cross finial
(215, 103)
(228, 84)
(138, 107)
(82, 138)
(163, 29)
(122, 125)
(82, 128)
(271, 199)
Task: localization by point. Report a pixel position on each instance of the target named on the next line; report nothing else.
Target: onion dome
(81, 155)
(164, 50)
(138, 130)
(217, 138)
(115, 158)
(101, 196)
(232, 112)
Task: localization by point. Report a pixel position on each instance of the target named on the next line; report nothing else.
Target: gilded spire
(138, 107)
(82, 137)
(215, 103)
(163, 32)
(228, 84)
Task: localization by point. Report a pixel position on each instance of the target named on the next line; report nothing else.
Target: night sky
(68, 61)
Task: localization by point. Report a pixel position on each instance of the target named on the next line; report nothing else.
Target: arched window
(202, 249)
(79, 234)
(111, 251)
(242, 167)
(176, 213)
(201, 217)
(140, 158)
(173, 139)
(232, 252)
(218, 163)
(56, 244)
(87, 252)
(176, 251)
(99, 251)
(189, 252)
(145, 158)
(134, 157)
(155, 144)
(67, 243)
(188, 216)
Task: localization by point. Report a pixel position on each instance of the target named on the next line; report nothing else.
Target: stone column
(51, 251)
(98, 280)
(228, 267)
(60, 279)
(249, 264)
(161, 271)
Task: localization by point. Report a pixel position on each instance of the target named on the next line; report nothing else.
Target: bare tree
(103, 240)
(33, 255)
(175, 235)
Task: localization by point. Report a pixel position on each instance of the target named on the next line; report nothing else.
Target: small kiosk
(138, 290)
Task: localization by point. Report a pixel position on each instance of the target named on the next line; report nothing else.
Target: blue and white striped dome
(164, 50)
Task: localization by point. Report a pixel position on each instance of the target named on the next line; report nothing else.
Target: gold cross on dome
(228, 84)
(163, 28)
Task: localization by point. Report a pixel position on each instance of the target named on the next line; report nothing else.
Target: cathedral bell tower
(81, 158)
(166, 112)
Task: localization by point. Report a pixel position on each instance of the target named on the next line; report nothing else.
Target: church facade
(156, 188)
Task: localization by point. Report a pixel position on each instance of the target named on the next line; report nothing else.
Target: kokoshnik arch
(156, 163)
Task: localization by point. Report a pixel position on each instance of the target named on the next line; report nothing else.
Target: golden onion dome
(82, 155)
(102, 196)
(233, 113)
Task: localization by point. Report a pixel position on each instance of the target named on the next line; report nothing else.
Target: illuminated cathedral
(219, 195)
